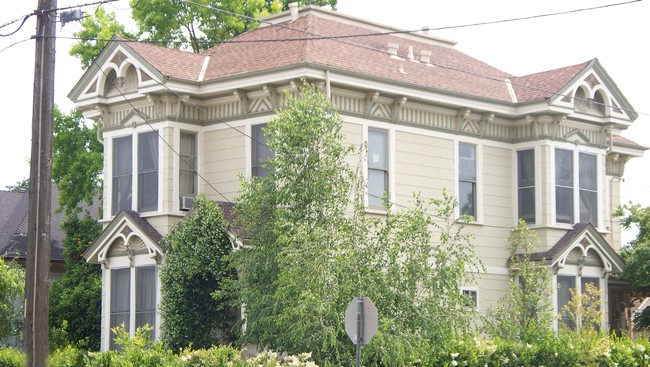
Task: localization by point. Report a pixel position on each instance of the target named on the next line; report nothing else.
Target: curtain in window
(526, 184)
(148, 171)
(377, 167)
(260, 151)
(122, 173)
(563, 186)
(564, 296)
(187, 174)
(120, 300)
(588, 189)
(145, 296)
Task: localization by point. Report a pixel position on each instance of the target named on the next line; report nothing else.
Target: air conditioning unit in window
(186, 203)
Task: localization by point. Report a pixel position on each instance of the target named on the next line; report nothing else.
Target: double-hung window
(526, 185)
(467, 179)
(148, 171)
(122, 174)
(377, 167)
(565, 283)
(566, 191)
(133, 303)
(187, 172)
(260, 151)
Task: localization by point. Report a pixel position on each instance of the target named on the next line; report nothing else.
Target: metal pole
(359, 328)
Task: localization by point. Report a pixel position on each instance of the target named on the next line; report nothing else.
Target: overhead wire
(314, 36)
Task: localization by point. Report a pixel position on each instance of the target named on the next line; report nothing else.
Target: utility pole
(37, 277)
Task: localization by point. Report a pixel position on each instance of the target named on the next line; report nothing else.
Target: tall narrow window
(377, 167)
(526, 184)
(122, 173)
(588, 189)
(565, 283)
(145, 296)
(187, 174)
(148, 171)
(260, 151)
(120, 300)
(467, 179)
(564, 186)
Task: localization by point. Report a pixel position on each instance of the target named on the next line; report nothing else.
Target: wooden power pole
(37, 277)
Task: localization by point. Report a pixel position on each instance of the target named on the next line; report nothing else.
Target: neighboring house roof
(582, 242)
(14, 207)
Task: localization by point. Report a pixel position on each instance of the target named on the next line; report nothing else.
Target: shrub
(68, 356)
(12, 357)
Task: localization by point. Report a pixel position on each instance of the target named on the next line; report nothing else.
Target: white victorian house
(545, 147)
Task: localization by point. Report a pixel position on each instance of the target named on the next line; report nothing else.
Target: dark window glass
(120, 300)
(145, 296)
(564, 186)
(148, 171)
(526, 184)
(467, 179)
(377, 167)
(122, 173)
(187, 174)
(588, 189)
(261, 153)
(565, 283)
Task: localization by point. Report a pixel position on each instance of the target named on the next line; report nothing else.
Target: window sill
(376, 211)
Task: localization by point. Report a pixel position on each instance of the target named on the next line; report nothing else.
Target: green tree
(77, 161)
(20, 186)
(196, 308)
(12, 285)
(312, 250)
(525, 312)
(197, 25)
(75, 298)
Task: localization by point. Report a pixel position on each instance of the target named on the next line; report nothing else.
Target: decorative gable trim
(127, 235)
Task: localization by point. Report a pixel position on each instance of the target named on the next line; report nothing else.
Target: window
(563, 186)
(187, 174)
(120, 300)
(144, 304)
(470, 297)
(565, 283)
(261, 153)
(377, 167)
(122, 172)
(588, 187)
(467, 179)
(148, 171)
(565, 190)
(526, 184)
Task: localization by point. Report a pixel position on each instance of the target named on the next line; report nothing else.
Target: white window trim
(576, 184)
(538, 184)
(390, 135)
(479, 219)
(122, 263)
(177, 164)
(478, 295)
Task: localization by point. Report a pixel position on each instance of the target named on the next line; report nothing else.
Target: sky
(616, 34)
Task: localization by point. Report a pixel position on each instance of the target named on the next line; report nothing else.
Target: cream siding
(224, 157)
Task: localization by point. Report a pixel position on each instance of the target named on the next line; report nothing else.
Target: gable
(127, 235)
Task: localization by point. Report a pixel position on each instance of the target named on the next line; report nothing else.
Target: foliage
(12, 357)
(20, 186)
(525, 311)
(195, 305)
(311, 251)
(12, 287)
(75, 298)
(77, 161)
(94, 35)
(584, 310)
(67, 356)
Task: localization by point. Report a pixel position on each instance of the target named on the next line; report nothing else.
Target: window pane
(187, 173)
(120, 300)
(377, 186)
(526, 167)
(564, 296)
(260, 151)
(467, 162)
(587, 170)
(378, 149)
(527, 204)
(148, 171)
(563, 204)
(589, 207)
(563, 167)
(122, 173)
(466, 198)
(145, 296)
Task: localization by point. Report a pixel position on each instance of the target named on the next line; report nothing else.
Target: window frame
(144, 171)
(527, 185)
(116, 203)
(476, 149)
(188, 164)
(259, 144)
(579, 277)
(473, 293)
(577, 178)
(373, 201)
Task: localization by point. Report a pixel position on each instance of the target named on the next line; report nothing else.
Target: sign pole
(359, 328)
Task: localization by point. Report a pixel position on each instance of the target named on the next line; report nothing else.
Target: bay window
(122, 174)
(526, 185)
(568, 195)
(148, 171)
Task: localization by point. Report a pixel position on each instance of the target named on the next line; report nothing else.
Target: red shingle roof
(545, 84)
(170, 62)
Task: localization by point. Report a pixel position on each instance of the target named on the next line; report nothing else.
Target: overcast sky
(615, 34)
